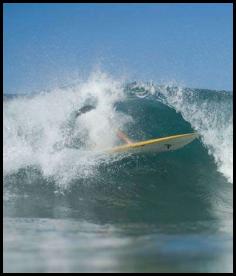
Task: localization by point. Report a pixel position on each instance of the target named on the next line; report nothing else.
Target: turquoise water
(70, 210)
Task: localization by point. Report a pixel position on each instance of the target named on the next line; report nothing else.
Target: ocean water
(71, 207)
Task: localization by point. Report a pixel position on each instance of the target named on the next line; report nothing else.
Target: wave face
(210, 113)
(168, 212)
(37, 128)
(47, 147)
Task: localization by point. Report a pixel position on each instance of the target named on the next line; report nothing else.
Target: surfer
(120, 134)
(70, 140)
(84, 109)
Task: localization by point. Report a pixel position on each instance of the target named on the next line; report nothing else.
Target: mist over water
(67, 193)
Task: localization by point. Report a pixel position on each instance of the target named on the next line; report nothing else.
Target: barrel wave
(56, 167)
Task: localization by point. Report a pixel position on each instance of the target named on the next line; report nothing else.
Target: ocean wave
(36, 129)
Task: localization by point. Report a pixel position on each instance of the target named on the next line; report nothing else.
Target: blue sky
(48, 45)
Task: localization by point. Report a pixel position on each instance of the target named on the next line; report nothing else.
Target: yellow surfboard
(157, 145)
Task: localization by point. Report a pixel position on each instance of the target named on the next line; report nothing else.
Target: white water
(34, 127)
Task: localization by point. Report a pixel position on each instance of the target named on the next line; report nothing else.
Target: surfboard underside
(169, 143)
